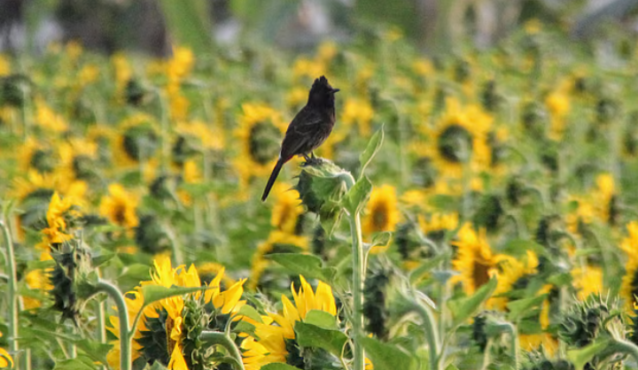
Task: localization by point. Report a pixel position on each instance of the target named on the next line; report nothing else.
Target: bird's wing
(300, 133)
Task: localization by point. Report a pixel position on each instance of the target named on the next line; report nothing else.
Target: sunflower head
(489, 213)
(582, 324)
(140, 142)
(455, 143)
(151, 236)
(382, 213)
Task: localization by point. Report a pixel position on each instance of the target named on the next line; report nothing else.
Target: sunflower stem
(514, 343)
(626, 347)
(215, 337)
(126, 336)
(430, 330)
(358, 277)
(12, 291)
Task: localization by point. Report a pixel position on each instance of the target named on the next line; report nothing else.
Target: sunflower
(57, 213)
(358, 111)
(137, 142)
(474, 260)
(275, 336)
(511, 272)
(629, 287)
(438, 224)
(163, 333)
(558, 105)
(5, 358)
(288, 208)
(36, 155)
(382, 213)
(587, 281)
(605, 198)
(260, 131)
(120, 206)
(48, 119)
(461, 137)
(278, 242)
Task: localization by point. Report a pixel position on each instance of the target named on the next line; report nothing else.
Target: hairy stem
(358, 277)
(122, 312)
(215, 337)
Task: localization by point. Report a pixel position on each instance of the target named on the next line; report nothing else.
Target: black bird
(309, 129)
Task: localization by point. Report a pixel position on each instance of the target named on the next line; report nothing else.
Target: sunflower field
(474, 211)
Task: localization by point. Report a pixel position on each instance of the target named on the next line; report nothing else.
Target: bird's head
(321, 93)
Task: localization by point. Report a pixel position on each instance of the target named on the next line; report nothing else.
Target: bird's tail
(273, 177)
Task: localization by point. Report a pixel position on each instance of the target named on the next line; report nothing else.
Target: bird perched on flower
(309, 129)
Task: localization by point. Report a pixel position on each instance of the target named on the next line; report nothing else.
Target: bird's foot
(312, 161)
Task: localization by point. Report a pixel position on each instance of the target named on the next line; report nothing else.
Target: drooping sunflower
(629, 287)
(475, 261)
(120, 206)
(166, 331)
(260, 131)
(275, 336)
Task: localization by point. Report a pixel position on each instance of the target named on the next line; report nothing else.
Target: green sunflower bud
(14, 89)
(534, 119)
(374, 306)
(583, 323)
(150, 236)
(184, 148)
(264, 142)
(322, 186)
(486, 325)
(490, 99)
(135, 93)
(490, 213)
(455, 143)
(515, 191)
(71, 270)
(140, 142)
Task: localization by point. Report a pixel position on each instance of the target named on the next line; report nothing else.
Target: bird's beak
(335, 90)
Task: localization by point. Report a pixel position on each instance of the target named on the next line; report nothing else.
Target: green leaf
(188, 24)
(429, 264)
(303, 264)
(133, 275)
(381, 239)
(40, 265)
(78, 363)
(371, 149)
(98, 261)
(309, 335)
(321, 319)
(463, 308)
(278, 366)
(451, 367)
(519, 247)
(444, 202)
(154, 293)
(358, 195)
(96, 351)
(520, 307)
(249, 311)
(579, 357)
(157, 366)
(385, 356)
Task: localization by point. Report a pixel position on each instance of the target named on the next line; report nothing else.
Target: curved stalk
(122, 312)
(215, 337)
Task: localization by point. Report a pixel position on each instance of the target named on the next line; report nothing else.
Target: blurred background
(434, 26)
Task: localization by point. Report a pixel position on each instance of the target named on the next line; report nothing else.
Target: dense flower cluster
(507, 179)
